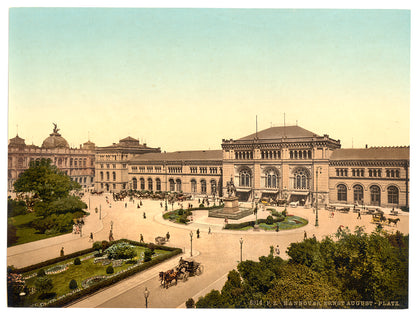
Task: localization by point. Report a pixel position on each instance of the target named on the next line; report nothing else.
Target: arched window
(193, 186)
(342, 192)
(150, 184)
(203, 186)
(375, 195)
(178, 185)
(158, 185)
(142, 187)
(134, 184)
(392, 195)
(358, 193)
(270, 178)
(114, 176)
(213, 187)
(301, 180)
(245, 176)
(171, 185)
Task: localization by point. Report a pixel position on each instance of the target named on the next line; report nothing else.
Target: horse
(169, 277)
(393, 220)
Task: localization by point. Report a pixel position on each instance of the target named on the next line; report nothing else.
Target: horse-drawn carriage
(160, 240)
(378, 218)
(182, 271)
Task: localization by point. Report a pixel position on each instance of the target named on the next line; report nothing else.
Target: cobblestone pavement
(219, 251)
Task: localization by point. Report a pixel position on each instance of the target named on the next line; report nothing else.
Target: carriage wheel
(200, 270)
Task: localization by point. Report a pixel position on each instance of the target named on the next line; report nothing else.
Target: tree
(45, 181)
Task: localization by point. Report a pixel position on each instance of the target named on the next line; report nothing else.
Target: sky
(184, 79)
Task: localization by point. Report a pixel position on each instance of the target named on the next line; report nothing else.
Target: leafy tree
(190, 303)
(45, 181)
(16, 207)
(212, 300)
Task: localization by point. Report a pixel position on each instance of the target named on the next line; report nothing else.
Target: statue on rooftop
(55, 129)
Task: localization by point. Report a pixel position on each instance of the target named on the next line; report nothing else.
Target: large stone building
(78, 163)
(285, 162)
(111, 163)
(196, 172)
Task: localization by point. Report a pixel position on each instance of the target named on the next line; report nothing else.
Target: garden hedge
(79, 293)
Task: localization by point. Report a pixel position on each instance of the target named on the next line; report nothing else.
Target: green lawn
(79, 273)
(25, 232)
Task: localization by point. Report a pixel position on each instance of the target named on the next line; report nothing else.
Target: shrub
(43, 284)
(180, 212)
(77, 261)
(122, 250)
(41, 273)
(269, 220)
(109, 270)
(190, 303)
(201, 205)
(131, 261)
(105, 244)
(97, 245)
(73, 284)
(147, 255)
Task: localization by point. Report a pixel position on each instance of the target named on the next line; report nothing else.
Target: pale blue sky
(187, 78)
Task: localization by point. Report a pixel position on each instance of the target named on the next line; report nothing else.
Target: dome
(55, 140)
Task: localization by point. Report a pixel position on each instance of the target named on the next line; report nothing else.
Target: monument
(231, 210)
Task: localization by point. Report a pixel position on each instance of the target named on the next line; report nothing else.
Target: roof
(16, 141)
(129, 139)
(280, 132)
(182, 155)
(377, 153)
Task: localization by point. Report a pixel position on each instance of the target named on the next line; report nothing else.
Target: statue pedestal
(231, 210)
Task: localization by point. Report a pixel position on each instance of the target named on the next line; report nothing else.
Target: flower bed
(91, 277)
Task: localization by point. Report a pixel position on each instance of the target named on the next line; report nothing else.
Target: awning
(243, 189)
(299, 193)
(269, 191)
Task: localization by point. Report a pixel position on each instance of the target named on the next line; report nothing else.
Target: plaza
(218, 251)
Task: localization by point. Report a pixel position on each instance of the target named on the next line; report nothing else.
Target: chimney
(366, 146)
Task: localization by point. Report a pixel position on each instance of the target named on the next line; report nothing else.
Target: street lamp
(241, 249)
(146, 294)
(191, 234)
(318, 171)
(166, 203)
(100, 211)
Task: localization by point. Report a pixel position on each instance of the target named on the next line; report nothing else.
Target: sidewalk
(38, 251)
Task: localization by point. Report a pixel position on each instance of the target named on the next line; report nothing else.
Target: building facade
(279, 163)
(377, 176)
(194, 172)
(284, 162)
(111, 163)
(78, 163)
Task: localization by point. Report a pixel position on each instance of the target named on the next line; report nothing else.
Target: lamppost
(241, 249)
(166, 203)
(318, 171)
(146, 294)
(100, 211)
(191, 234)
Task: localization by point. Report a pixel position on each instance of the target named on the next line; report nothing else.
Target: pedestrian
(125, 205)
(141, 203)
(314, 237)
(167, 236)
(197, 233)
(277, 250)
(359, 215)
(141, 238)
(91, 237)
(62, 252)
(209, 230)
(110, 236)
(161, 204)
(138, 205)
(144, 215)
(332, 214)
(304, 235)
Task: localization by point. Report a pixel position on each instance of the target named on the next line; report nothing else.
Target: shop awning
(243, 189)
(300, 193)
